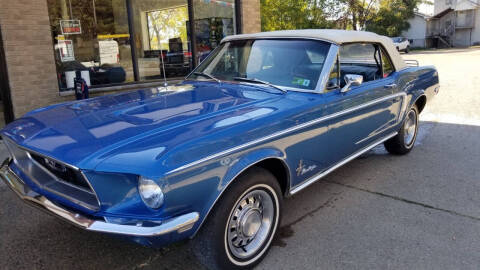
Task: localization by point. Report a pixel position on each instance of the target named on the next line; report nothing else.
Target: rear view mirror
(351, 80)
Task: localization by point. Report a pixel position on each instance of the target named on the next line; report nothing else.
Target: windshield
(285, 63)
(397, 39)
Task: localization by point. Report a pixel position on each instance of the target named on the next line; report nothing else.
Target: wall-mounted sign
(70, 27)
(109, 52)
(65, 48)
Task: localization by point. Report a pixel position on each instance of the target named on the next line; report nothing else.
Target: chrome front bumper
(179, 224)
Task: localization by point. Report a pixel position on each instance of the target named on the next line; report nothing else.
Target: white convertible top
(338, 37)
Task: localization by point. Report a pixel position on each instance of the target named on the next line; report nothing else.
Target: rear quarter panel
(420, 81)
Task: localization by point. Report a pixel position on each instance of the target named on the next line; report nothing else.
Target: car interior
(299, 65)
(367, 60)
(282, 63)
(300, 70)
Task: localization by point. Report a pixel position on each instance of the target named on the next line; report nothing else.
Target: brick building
(118, 44)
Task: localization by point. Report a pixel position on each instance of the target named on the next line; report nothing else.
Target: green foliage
(166, 24)
(386, 17)
(357, 12)
(295, 14)
(392, 17)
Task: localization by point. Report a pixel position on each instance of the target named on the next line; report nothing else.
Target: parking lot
(420, 211)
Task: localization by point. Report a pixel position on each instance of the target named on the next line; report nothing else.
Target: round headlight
(150, 192)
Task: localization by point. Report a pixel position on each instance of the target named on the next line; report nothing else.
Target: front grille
(54, 176)
(61, 171)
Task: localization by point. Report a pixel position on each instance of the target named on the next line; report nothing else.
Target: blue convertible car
(210, 159)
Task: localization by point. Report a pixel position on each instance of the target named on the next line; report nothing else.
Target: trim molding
(286, 131)
(319, 176)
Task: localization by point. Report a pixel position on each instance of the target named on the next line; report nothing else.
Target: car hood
(80, 133)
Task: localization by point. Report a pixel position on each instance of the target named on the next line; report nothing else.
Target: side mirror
(351, 80)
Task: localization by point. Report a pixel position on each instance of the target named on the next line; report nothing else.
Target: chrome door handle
(391, 86)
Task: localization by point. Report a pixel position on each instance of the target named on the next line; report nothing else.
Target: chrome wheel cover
(410, 128)
(250, 223)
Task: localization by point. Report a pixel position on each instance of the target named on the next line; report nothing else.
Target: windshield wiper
(254, 80)
(207, 75)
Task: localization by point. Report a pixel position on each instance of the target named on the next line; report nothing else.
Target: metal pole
(238, 16)
(159, 44)
(193, 40)
(133, 46)
(94, 12)
(165, 83)
(5, 90)
(70, 6)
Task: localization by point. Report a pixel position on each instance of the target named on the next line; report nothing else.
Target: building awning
(443, 13)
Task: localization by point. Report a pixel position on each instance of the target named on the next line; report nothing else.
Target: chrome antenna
(165, 83)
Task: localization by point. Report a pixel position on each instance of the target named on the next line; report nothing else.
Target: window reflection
(214, 20)
(162, 35)
(242, 118)
(91, 38)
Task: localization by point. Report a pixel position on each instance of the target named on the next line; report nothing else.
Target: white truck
(402, 44)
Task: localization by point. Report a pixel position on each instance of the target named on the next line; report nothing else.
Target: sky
(426, 9)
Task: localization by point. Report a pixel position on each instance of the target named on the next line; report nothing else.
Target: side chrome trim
(286, 131)
(178, 224)
(319, 176)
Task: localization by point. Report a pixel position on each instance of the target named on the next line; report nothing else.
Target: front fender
(236, 167)
(241, 164)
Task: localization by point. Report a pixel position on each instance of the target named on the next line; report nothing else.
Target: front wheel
(240, 229)
(404, 141)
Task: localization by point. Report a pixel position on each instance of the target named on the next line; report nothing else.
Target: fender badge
(301, 169)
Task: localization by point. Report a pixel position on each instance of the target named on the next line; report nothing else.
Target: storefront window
(214, 20)
(161, 29)
(91, 38)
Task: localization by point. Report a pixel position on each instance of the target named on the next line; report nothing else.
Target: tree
(392, 16)
(386, 17)
(166, 24)
(295, 14)
(359, 11)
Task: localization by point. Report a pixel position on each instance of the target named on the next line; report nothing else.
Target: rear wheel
(239, 231)
(404, 141)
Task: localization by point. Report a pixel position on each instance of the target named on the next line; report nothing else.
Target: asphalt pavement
(420, 211)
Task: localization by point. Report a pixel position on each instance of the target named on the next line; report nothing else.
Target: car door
(365, 114)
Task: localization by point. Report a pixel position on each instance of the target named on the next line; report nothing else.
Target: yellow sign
(113, 36)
